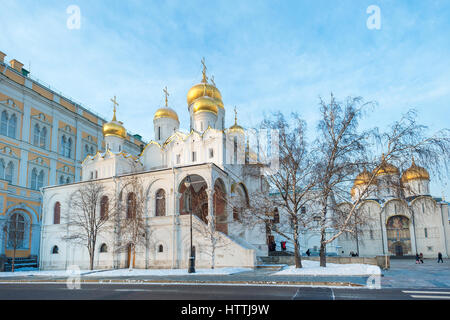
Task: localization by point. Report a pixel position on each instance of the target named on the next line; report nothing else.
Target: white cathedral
(220, 166)
(207, 155)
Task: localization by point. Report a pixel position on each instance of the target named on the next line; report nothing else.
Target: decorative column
(211, 213)
(176, 231)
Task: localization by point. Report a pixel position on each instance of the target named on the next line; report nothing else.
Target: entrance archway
(195, 196)
(398, 235)
(219, 205)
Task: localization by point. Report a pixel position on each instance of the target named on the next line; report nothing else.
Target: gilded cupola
(386, 168)
(114, 127)
(364, 178)
(415, 173)
(205, 90)
(166, 112)
(235, 128)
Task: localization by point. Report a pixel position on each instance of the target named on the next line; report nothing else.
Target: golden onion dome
(386, 168)
(205, 104)
(363, 178)
(166, 113)
(114, 128)
(415, 173)
(235, 128)
(203, 89)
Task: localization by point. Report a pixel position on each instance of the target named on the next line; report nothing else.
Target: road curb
(199, 282)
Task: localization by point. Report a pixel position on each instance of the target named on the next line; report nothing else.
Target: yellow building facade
(44, 137)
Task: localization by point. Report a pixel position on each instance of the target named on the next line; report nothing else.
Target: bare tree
(132, 230)
(288, 188)
(342, 151)
(15, 233)
(86, 217)
(213, 237)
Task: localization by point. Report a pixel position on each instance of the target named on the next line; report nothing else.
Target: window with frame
(194, 156)
(57, 213)
(8, 125)
(104, 207)
(160, 203)
(131, 206)
(16, 231)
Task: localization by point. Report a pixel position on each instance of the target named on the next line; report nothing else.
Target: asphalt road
(95, 291)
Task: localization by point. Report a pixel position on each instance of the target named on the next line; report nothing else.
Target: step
(275, 267)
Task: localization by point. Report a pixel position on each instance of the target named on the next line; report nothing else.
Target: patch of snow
(165, 272)
(313, 268)
(28, 272)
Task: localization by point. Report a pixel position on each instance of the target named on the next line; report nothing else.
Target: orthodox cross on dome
(205, 78)
(212, 81)
(114, 101)
(166, 93)
(235, 115)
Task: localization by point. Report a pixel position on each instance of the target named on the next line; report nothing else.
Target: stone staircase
(30, 262)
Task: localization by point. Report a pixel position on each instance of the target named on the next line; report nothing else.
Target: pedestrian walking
(417, 258)
(308, 252)
(421, 257)
(440, 257)
(283, 245)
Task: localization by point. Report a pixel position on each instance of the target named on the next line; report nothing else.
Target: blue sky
(264, 55)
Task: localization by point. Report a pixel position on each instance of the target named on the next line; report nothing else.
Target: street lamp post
(187, 184)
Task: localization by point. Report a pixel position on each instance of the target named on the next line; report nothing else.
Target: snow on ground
(165, 272)
(313, 268)
(29, 272)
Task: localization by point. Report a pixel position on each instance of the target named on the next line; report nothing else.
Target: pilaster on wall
(26, 121)
(23, 167)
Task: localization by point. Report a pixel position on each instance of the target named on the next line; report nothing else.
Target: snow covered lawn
(313, 268)
(31, 272)
(165, 272)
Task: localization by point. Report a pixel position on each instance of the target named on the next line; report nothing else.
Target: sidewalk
(407, 274)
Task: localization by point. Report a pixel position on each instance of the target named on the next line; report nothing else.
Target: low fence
(384, 262)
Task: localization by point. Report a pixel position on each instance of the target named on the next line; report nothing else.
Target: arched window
(55, 250)
(57, 213)
(40, 180)
(160, 203)
(92, 150)
(12, 125)
(63, 145)
(104, 248)
(68, 180)
(86, 150)
(160, 248)
(34, 179)
(69, 148)
(43, 137)
(2, 169)
(104, 207)
(9, 172)
(16, 232)
(4, 123)
(61, 180)
(36, 135)
(131, 205)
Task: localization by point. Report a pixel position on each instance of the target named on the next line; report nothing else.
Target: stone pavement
(405, 273)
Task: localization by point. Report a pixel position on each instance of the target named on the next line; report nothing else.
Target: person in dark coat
(421, 257)
(308, 252)
(440, 257)
(283, 245)
(417, 258)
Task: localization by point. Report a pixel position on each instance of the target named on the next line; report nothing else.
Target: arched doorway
(219, 205)
(195, 196)
(398, 235)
